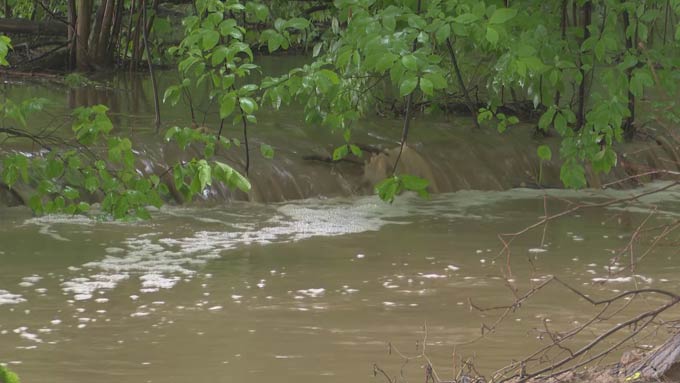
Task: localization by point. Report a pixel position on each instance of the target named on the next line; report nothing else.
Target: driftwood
(662, 364)
(45, 28)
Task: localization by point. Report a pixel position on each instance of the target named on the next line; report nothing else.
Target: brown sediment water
(306, 291)
(309, 278)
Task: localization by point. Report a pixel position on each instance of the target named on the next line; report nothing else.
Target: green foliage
(19, 112)
(65, 180)
(503, 121)
(581, 79)
(192, 177)
(91, 123)
(267, 151)
(5, 46)
(7, 376)
(393, 186)
(544, 154)
(527, 52)
(76, 80)
(214, 54)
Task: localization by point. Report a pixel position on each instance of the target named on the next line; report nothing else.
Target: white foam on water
(623, 279)
(432, 276)
(161, 260)
(7, 298)
(313, 292)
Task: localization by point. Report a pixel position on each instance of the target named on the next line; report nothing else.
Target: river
(303, 291)
(312, 279)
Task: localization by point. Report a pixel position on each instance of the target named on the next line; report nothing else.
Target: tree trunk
(149, 22)
(84, 9)
(94, 34)
(72, 42)
(112, 45)
(136, 38)
(129, 29)
(103, 55)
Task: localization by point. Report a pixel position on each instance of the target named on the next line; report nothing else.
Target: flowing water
(303, 291)
(314, 286)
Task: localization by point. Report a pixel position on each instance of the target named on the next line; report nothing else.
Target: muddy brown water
(314, 285)
(304, 291)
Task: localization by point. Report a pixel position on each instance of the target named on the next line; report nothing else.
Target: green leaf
(414, 183)
(599, 50)
(266, 151)
(204, 174)
(502, 15)
(641, 78)
(274, 42)
(74, 162)
(385, 62)
(573, 175)
(171, 95)
(426, 86)
(340, 152)
(231, 177)
(70, 193)
(219, 55)
(390, 23)
(210, 38)
(560, 123)
(91, 183)
(7, 376)
(466, 18)
(604, 160)
(443, 33)
(491, 35)
(438, 81)
(227, 105)
(544, 152)
(35, 203)
(546, 118)
(54, 168)
(297, 23)
(408, 85)
(416, 21)
(410, 62)
(248, 105)
(330, 76)
(317, 49)
(261, 11)
(355, 150)
(83, 207)
(388, 188)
